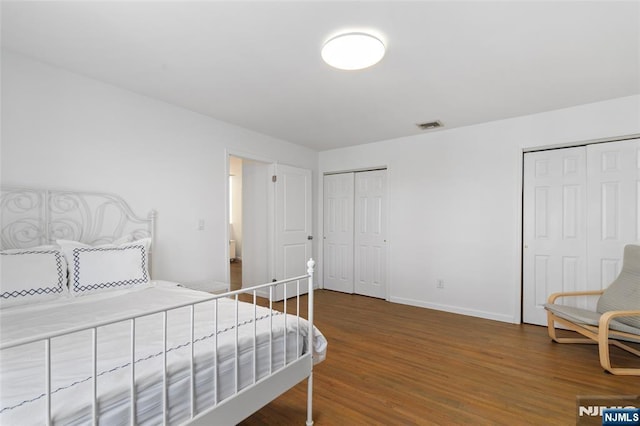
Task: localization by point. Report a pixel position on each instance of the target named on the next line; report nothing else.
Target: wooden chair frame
(600, 334)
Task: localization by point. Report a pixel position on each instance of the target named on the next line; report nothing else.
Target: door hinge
(274, 178)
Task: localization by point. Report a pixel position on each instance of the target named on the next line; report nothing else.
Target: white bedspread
(22, 371)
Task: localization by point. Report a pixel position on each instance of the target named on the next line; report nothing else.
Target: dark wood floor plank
(395, 364)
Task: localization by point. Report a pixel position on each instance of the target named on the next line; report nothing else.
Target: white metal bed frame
(32, 217)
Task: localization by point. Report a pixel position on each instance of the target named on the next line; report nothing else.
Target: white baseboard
(455, 309)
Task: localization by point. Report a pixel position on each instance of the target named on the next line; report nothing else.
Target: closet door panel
(613, 206)
(338, 232)
(554, 254)
(370, 236)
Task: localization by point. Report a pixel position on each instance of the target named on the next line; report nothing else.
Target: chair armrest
(554, 296)
(606, 318)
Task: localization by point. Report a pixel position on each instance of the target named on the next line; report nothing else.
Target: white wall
(455, 203)
(62, 130)
(454, 195)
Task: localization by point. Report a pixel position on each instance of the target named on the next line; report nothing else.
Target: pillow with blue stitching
(32, 275)
(96, 269)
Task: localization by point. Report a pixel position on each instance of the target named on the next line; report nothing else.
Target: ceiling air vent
(430, 125)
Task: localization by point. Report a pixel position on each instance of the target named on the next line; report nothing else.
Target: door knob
(309, 237)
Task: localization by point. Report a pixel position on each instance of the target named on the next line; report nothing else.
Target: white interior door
(293, 224)
(370, 245)
(554, 255)
(338, 232)
(613, 201)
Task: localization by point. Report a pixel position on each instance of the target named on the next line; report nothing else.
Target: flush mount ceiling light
(353, 51)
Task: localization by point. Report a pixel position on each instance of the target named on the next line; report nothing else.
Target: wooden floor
(391, 364)
(235, 275)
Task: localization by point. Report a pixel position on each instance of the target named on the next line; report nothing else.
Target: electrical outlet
(440, 284)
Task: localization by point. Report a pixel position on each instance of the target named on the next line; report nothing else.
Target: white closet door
(370, 255)
(554, 255)
(613, 202)
(293, 226)
(338, 232)
(581, 207)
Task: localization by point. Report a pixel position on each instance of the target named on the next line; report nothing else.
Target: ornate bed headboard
(31, 217)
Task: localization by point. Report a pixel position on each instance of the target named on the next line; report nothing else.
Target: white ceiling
(258, 65)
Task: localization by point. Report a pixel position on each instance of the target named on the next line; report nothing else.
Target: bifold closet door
(554, 227)
(355, 246)
(581, 207)
(613, 204)
(370, 244)
(338, 232)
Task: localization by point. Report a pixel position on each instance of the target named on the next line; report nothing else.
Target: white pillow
(94, 269)
(32, 275)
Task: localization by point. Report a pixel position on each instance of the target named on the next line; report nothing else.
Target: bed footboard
(236, 353)
(249, 400)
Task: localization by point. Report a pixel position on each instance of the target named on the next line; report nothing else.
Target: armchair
(616, 320)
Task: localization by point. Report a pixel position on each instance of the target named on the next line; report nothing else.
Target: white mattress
(22, 373)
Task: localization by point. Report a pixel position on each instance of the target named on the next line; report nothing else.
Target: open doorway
(248, 222)
(235, 223)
